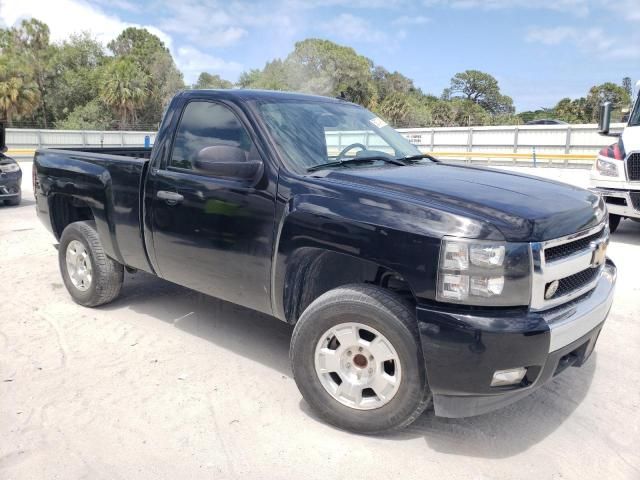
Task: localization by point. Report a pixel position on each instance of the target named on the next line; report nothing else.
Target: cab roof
(243, 94)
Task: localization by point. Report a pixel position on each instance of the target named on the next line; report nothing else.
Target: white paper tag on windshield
(378, 122)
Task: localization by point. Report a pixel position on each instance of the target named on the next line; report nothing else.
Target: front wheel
(91, 277)
(356, 358)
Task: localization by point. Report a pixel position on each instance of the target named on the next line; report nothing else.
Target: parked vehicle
(546, 121)
(615, 175)
(410, 282)
(10, 175)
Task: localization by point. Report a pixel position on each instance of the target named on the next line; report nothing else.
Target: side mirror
(227, 161)
(605, 118)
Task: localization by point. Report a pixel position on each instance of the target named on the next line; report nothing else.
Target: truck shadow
(512, 429)
(246, 332)
(261, 338)
(628, 233)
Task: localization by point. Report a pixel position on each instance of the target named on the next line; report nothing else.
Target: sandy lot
(168, 383)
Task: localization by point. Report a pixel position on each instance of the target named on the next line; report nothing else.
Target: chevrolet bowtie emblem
(599, 253)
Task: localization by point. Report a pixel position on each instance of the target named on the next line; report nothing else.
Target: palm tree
(19, 96)
(124, 89)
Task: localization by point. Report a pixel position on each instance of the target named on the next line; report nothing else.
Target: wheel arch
(313, 271)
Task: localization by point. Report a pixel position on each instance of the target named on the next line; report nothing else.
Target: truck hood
(522, 207)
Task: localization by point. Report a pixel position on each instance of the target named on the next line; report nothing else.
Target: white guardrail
(552, 145)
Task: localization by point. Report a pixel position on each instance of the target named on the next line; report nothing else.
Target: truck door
(212, 232)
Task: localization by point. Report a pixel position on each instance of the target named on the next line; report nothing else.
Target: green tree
(628, 87)
(124, 89)
(94, 115)
(76, 65)
(607, 92)
(388, 83)
(19, 94)
(149, 54)
(274, 76)
(469, 113)
(572, 111)
(395, 108)
(29, 44)
(480, 88)
(443, 114)
(326, 68)
(208, 80)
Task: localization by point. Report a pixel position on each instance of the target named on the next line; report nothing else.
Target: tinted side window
(205, 124)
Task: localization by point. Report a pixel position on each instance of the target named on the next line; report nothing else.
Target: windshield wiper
(344, 161)
(410, 158)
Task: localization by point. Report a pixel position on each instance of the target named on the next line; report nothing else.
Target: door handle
(170, 197)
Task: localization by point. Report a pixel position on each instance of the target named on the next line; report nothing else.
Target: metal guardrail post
(84, 138)
(39, 137)
(433, 134)
(470, 143)
(515, 143)
(567, 146)
(534, 157)
(122, 139)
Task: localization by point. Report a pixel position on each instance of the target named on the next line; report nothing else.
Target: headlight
(606, 168)
(9, 168)
(477, 272)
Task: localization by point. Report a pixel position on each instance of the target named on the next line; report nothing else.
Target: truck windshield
(311, 133)
(634, 119)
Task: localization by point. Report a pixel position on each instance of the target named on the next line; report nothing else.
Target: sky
(539, 50)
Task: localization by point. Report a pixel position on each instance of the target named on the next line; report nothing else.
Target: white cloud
(351, 28)
(411, 21)
(192, 61)
(577, 7)
(591, 41)
(66, 17)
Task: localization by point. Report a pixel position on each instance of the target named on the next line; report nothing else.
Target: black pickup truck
(410, 282)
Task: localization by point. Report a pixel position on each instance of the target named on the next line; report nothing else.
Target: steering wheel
(349, 147)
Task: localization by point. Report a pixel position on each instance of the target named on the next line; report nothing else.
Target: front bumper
(10, 184)
(619, 202)
(463, 350)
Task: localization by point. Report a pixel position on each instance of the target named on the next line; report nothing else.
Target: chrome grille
(576, 281)
(570, 261)
(566, 249)
(633, 166)
(635, 199)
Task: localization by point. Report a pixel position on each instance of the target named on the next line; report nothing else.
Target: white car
(616, 172)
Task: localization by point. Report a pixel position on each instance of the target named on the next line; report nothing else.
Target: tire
(385, 313)
(614, 221)
(15, 200)
(106, 274)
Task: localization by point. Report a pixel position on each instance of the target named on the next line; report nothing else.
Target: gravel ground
(168, 383)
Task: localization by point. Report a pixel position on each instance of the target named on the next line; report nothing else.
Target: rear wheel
(91, 277)
(614, 221)
(356, 359)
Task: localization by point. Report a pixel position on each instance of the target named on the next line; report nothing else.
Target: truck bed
(109, 182)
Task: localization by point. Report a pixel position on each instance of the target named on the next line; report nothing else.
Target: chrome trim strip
(625, 211)
(577, 320)
(573, 236)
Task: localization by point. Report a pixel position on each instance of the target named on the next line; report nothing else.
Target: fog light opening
(512, 376)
